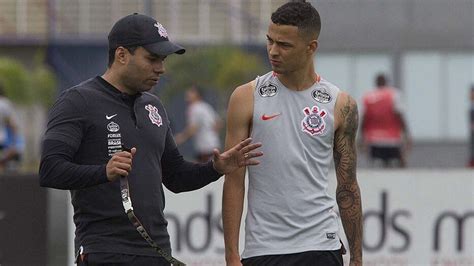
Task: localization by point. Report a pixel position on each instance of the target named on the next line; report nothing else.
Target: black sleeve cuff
(213, 173)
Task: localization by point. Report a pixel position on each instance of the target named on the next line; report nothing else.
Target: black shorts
(385, 153)
(316, 258)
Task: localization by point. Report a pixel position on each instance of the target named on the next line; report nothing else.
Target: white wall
(435, 87)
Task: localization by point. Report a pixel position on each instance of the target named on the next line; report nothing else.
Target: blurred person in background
(471, 115)
(203, 125)
(385, 133)
(8, 124)
(12, 153)
(84, 151)
(305, 123)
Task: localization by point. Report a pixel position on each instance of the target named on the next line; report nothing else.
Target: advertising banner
(411, 217)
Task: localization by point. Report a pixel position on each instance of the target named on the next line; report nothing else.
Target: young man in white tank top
(305, 123)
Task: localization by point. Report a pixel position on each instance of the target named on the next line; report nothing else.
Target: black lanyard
(127, 205)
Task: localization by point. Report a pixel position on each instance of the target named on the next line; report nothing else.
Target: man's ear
(313, 46)
(121, 55)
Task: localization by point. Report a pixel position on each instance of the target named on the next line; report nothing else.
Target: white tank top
(289, 208)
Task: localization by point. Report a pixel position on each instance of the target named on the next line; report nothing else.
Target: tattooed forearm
(348, 200)
(348, 193)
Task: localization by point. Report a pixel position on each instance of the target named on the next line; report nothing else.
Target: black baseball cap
(141, 30)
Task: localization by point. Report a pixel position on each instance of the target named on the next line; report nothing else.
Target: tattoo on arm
(348, 193)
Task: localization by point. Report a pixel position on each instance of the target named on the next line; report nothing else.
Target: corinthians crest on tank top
(290, 209)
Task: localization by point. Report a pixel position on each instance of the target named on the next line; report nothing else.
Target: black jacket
(86, 126)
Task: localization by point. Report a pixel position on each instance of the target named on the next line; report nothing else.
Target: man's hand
(238, 156)
(120, 164)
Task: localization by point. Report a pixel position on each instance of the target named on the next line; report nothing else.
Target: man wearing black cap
(84, 151)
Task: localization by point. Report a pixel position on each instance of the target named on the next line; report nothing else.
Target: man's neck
(299, 80)
(112, 79)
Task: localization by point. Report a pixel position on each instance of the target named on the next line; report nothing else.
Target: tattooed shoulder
(348, 114)
(344, 151)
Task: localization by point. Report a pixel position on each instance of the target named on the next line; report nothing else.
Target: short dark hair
(381, 80)
(300, 14)
(198, 89)
(131, 49)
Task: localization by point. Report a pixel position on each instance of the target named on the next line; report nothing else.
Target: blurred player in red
(384, 129)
